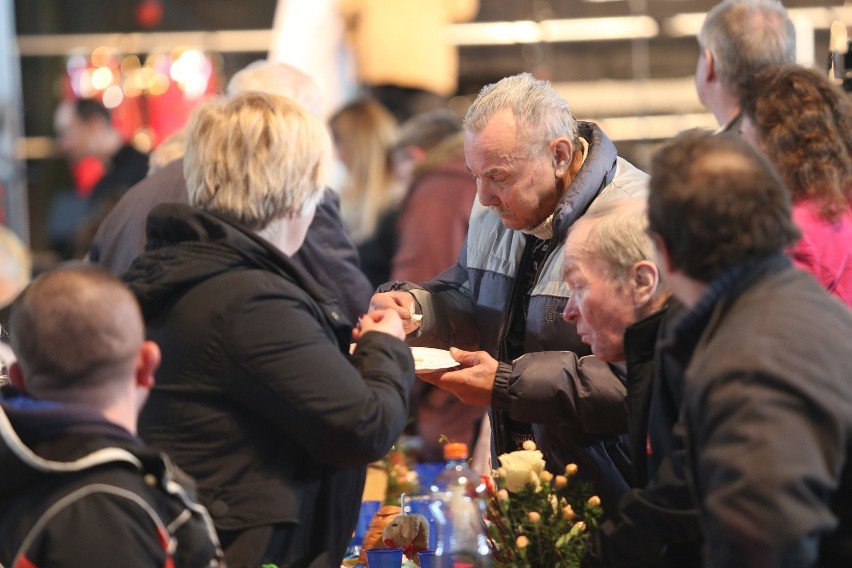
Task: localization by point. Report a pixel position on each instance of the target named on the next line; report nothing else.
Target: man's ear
(561, 154)
(709, 65)
(147, 363)
(645, 278)
(16, 377)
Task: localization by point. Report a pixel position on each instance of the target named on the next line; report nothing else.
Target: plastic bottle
(457, 513)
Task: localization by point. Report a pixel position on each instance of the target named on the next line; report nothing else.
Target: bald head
(76, 329)
(277, 78)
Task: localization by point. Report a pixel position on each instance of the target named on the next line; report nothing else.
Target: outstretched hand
(402, 303)
(473, 383)
(383, 321)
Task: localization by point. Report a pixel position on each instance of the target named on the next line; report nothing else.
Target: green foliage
(544, 524)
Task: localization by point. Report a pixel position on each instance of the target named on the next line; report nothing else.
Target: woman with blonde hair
(803, 123)
(257, 397)
(364, 133)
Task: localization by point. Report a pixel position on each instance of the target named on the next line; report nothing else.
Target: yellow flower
(522, 467)
(546, 476)
(595, 501)
(529, 445)
(571, 469)
(533, 516)
(561, 481)
(567, 512)
(522, 542)
(503, 495)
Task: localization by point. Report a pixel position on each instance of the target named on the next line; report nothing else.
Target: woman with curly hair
(803, 123)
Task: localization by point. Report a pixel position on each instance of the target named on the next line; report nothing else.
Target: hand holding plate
(472, 384)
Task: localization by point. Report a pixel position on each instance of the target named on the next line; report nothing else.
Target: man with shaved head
(79, 488)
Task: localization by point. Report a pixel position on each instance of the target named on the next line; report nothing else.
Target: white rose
(522, 467)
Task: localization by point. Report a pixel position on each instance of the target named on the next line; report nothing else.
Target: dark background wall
(660, 58)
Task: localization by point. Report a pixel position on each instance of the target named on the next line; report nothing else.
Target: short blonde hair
(255, 157)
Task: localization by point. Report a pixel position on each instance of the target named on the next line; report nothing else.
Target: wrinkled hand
(474, 383)
(383, 321)
(402, 303)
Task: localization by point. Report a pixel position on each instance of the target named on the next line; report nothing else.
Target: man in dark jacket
(621, 308)
(79, 488)
(537, 170)
(327, 253)
(767, 403)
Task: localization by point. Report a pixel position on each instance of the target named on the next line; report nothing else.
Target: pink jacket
(825, 249)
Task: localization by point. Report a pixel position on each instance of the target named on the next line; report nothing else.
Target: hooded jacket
(257, 397)
(79, 490)
(471, 306)
(327, 253)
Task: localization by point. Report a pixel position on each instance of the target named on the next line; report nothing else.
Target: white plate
(429, 359)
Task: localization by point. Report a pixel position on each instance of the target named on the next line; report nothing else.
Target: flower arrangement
(402, 477)
(535, 518)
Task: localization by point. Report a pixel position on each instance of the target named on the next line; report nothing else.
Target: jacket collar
(597, 171)
(720, 295)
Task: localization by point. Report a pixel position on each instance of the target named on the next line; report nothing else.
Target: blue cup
(384, 557)
(427, 559)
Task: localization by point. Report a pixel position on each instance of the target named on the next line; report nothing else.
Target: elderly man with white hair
(623, 310)
(538, 170)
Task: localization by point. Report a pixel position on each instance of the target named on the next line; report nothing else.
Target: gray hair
(277, 78)
(541, 113)
(618, 237)
(745, 36)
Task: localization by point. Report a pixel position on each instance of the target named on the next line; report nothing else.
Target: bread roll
(373, 538)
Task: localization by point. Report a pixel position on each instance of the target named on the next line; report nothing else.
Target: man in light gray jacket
(537, 171)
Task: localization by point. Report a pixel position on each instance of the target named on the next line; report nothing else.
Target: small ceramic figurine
(408, 532)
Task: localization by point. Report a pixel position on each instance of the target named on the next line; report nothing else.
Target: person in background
(84, 128)
(623, 310)
(803, 123)
(403, 55)
(327, 253)
(257, 396)
(737, 39)
(79, 487)
(16, 271)
(429, 156)
(767, 407)
(537, 171)
(172, 148)
(370, 193)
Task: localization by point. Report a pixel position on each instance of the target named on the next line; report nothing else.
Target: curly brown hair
(804, 124)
